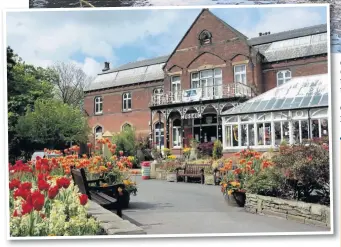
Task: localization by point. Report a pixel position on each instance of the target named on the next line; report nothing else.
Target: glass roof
(299, 92)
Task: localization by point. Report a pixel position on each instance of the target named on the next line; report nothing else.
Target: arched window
(158, 93)
(283, 76)
(126, 126)
(98, 132)
(205, 37)
(126, 102)
(98, 105)
(176, 133)
(159, 134)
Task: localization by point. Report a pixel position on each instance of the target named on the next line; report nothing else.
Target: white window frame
(158, 93)
(126, 97)
(177, 94)
(98, 135)
(284, 79)
(216, 88)
(159, 134)
(177, 133)
(240, 73)
(98, 104)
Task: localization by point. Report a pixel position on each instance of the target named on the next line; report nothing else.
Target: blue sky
(88, 38)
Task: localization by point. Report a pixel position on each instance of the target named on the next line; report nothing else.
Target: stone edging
(307, 213)
(111, 223)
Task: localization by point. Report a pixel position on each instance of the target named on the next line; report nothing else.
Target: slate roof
(299, 92)
(290, 34)
(151, 69)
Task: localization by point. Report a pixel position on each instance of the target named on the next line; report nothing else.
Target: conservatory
(290, 113)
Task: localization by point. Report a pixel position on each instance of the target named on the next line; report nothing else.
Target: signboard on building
(192, 115)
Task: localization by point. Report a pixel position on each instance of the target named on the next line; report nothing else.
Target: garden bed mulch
(111, 223)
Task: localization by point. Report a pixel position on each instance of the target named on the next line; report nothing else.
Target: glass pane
(296, 103)
(304, 130)
(254, 106)
(287, 103)
(305, 101)
(195, 75)
(245, 107)
(278, 133)
(315, 133)
(129, 104)
(271, 103)
(175, 78)
(235, 136)
(280, 75)
(278, 104)
(296, 131)
(251, 135)
(285, 131)
(262, 105)
(267, 134)
(260, 134)
(243, 135)
(324, 100)
(228, 137)
(324, 127)
(217, 72)
(287, 74)
(316, 99)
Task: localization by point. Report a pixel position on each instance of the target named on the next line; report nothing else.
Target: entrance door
(159, 135)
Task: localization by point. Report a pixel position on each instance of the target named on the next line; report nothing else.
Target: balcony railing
(231, 90)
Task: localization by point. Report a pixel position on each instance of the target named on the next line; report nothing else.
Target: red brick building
(213, 68)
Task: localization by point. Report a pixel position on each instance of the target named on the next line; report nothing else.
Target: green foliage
(267, 182)
(217, 150)
(52, 123)
(25, 84)
(167, 152)
(126, 141)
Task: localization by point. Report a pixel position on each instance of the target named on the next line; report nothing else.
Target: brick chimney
(106, 66)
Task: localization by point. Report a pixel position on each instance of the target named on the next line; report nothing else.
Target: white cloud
(90, 37)
(279, 20)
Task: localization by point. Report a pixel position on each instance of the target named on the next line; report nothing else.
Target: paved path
(162, 207)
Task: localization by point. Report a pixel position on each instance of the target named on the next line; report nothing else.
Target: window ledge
(130, 110)
(99, 114)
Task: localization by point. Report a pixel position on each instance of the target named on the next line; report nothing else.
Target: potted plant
(209, 176)
(171, 169)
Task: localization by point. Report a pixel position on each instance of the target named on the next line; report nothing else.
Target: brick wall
(299, 67)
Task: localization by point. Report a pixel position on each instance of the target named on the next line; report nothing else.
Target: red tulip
(26, 208)
(121, 153)
(38, 200)
(26, 186)
(63, 182)
(53, 192)
(43, 185)
(15, 213)
(83, 199)
(22, 193)
(15, 183)
(89, 145)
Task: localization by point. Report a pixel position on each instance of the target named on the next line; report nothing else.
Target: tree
(25, 84)
(52, 124)
(70, 83)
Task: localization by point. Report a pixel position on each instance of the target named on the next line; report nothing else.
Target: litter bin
(145, 166)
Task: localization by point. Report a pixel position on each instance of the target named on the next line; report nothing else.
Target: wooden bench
(108, 197)
(192, 171)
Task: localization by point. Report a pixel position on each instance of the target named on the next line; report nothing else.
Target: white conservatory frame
(269, 120)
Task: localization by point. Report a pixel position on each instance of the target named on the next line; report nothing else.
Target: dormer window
(205, 38)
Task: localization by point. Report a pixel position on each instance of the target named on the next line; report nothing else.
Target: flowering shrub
(217, 150)
(187, 152)
(42, 204)
(171, 166)
(237, 175)
(167, 152)
(205, 149)
(305, 169)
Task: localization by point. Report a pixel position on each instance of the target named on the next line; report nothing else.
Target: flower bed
(45, 202)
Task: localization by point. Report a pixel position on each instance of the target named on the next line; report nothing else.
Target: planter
(236, 199)
(171, 176)
(125, 199)
(160, 174)
(209, 179)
